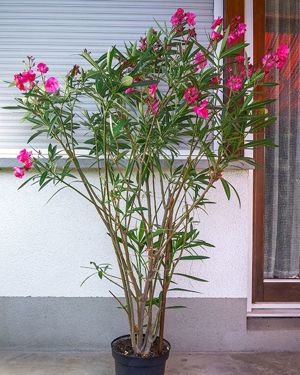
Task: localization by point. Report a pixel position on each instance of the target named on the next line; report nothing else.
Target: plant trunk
(166, 279)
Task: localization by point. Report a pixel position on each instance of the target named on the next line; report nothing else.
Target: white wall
(43, 246)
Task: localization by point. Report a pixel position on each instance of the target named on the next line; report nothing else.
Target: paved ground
(20, 363)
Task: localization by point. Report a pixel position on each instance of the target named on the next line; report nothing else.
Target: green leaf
(26, 182)
(14, 107)
(236, 193)
(260, 104)
(87, 56)
(191, 277)
(233, 49)
(143, 83)
(154, 301)
(109, 58)
(43, 177)
(183, 290)
(193, 257)
(226, 188)
(137, 209)
(45, 184)
(176, 307)
(36, 135)
(225, 39)
(269, 84)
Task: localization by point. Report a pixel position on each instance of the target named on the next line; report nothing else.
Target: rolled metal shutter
(56, 31)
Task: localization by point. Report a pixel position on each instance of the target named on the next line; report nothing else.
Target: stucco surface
(206, 324)
(43, 247)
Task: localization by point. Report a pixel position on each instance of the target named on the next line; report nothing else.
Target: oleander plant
(155, 110)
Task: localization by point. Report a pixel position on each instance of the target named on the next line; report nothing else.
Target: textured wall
(43, 246)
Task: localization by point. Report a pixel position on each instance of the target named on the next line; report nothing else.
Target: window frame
(279, 290)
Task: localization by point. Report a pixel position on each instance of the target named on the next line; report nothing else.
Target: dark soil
(124, 347)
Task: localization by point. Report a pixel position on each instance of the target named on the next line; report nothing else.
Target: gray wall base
(207, 324)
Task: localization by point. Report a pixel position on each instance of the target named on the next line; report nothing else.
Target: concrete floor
(50, 363)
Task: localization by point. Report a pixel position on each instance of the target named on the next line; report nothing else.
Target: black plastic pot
(129, 365)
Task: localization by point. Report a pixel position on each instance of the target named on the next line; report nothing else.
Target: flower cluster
(27, 80)
(42, 68)
(74, 71)
(191, 95)
(156, 44)
(201, 109)
(240, 60)
(237, 30)
(26, 77)
(180, 18)
(152, 102)
(235, 82)
(200, 60)
(51, 85)
(143, 43)
(277, 59)
(216, 35)
(25, 158)
(270, 60)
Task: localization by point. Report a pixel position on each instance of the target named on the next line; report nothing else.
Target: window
(57, 31)
(276, 276)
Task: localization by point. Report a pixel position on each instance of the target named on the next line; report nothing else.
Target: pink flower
(25, 158)
(240, 59)
(192, 33)
(216, 22)
(42, 68)
(24, 155)
(178, 17)
(28, 164)
(201, 110)
(269, 60)
(19, 80)
(51, 85)
(235, 83)
(74, 71)
(131, 89)
(19, 172)
(215, 80)
(190, 18)
(232, 37)
(29, 75)
(128, 91)
(216, 36)
(24, 77)
(191, 94)
(241, 29)
(152, 90)
(280, 64)
(143, 44)
(250, 71)
(154, 106)
(283, 52)
(237, 30)
(200, 60)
